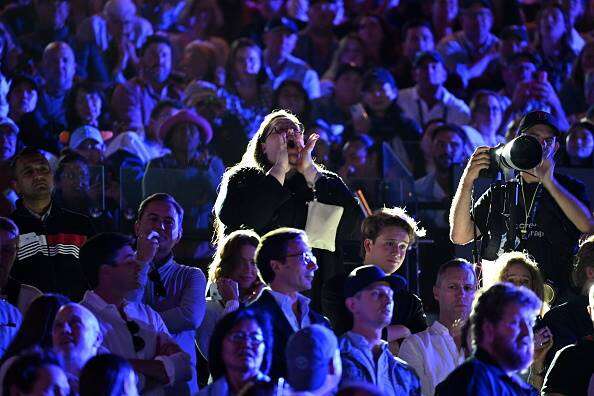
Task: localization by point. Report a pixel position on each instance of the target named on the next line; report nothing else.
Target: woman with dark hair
(579, 146)
(248, 90)
(376, 38)
(86, 106)
(553, 44)
(572, 94)
(234, 281)
(239, 352)
(107, 375)
(278, 184)
(292, 97)
(36, 328)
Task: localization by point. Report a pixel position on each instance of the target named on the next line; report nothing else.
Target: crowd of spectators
(205, 197)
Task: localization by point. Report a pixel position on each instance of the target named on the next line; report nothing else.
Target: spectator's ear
(275, 265)
(350, 303)
(367, 245)
(99, 339)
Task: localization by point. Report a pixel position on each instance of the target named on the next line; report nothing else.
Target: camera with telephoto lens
(522, 153)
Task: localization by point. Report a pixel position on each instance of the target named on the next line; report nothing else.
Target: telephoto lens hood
(522, 153)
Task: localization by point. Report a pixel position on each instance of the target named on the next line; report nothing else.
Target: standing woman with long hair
(278, 184)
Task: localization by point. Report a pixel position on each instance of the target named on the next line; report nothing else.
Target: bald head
(58, 66)
(76, 334)
(120, 15)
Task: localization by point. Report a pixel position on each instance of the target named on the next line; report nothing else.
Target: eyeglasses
(155, 277)
(134, 329)
(240, 337)
(292, 130)
(306, 257)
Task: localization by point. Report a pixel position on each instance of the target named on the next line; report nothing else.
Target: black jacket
(47, 257)
(281, 330)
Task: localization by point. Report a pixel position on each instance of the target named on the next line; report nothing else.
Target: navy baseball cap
(423, 56)
(281, 23)
(377, 75)
(539, 117)
(363, 277)
(308, 353)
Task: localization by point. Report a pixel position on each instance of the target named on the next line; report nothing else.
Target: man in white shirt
(429, 99)
(437, 351)
(280, 38)
(130, 329)
(175, 291)
(287, 265)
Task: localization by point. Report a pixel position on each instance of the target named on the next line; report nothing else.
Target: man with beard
(133, 101)
(50, 236)
(437, 351)
(365, 356)
(447, 150)
(501, 325)
(287, 265)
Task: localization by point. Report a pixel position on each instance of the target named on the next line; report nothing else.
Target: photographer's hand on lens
(478, 161)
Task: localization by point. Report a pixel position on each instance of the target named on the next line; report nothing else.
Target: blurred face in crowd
(519, 275)
(552, 24)
(50, 380)
(243, 347)
(195, 62)
(155, 123)
(370, 30)
(388, 251)
(477, 22)
(33, 178)
(347, 88)
(88, 106)
(353, 54)
(52, 13)
(291, 98)
(272, 143)
(455, 292)
(92, 150)
(157, 62)
(521, 70)
(511, 338)
(185, 140)
(23, 98)
(74, 181)
(296, 272)
(511, 46)
(160, 216)
(380, 96)
(488, 113)
(280, 43)
(58, 66)
(355, 153)
(418, 39)
(447, 149)
(9, 243)
(579, 143)
(245, 271)
(321, 14)
(125, 275)
(75, 333)
(445, 10)
(373, 306)
(8, 141)
(430, 73)
(247, 62)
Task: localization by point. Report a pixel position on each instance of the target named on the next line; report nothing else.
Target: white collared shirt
(450, 108)
(433, 354)
(286, 305)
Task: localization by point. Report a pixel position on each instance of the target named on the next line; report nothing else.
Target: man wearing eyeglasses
(546, 219)
(131, 329)
(287, 265)
(175, 291)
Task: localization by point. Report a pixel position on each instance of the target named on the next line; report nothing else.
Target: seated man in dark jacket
(51, 236)
(287, 265)
(386, 235)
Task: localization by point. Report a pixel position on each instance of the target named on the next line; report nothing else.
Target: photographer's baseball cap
(308, 353)
(539, 117)
(363, 277)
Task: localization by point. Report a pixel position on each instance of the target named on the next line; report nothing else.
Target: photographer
(546, 219)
